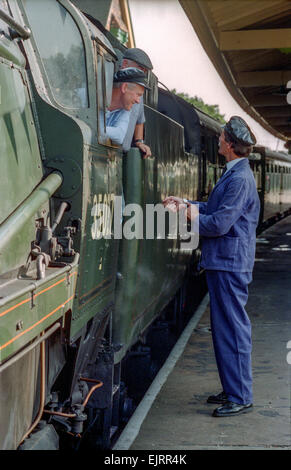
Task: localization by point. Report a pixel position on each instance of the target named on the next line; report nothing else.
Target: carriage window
(61, 48)
(208, 149)
(215, 148)
(212, 150)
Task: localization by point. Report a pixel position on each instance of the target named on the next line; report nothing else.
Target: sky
(162, 29)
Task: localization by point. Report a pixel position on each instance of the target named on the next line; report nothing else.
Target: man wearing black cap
(128, 88)
(227, 223)
(137, 58)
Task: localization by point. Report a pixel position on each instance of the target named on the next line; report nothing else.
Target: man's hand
(145, 149)
(176, 204)
(173, 200)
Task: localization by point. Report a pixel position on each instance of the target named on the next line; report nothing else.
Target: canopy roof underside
(249, 43)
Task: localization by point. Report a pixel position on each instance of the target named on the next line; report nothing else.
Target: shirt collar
(230, 164)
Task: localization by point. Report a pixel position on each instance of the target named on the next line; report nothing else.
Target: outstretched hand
(176, 204)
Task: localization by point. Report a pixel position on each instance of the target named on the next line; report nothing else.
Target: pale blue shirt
(230, 164)
(136, 117)
(117, 125)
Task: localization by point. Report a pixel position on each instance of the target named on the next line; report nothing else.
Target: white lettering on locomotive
(102, 213)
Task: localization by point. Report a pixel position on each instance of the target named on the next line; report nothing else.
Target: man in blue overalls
(227, 223)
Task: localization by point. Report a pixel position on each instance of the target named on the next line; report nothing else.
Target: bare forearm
(138, 136)
(138, 132)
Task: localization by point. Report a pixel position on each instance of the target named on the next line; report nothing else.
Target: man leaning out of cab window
(128, 87)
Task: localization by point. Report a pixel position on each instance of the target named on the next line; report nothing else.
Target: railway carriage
(277, 198)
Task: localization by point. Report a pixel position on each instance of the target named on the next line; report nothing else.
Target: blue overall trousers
(231, 332)
(227, 223)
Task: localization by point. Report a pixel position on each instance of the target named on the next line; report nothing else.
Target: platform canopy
(249, 43)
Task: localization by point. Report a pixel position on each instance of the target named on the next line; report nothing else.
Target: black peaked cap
(131, 75)
(239, 131)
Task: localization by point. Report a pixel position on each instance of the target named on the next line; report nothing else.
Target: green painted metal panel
(98, 9)
(19, 147)
(151, 270)
(11, 52)
(24, 316)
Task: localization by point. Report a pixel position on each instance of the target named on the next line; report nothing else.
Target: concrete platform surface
(180, 418)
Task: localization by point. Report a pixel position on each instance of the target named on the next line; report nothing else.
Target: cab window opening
(104, 65)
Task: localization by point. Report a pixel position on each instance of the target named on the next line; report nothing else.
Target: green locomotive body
(51, 155)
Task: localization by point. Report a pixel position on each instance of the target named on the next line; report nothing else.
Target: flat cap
(239, 131)
(138, 56)
(131, 75)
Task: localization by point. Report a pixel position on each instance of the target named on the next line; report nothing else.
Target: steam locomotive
(80, 313)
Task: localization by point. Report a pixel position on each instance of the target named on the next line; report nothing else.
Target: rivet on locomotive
(86, 321)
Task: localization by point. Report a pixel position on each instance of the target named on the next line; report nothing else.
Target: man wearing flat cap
(227, 223)
(128, 87)
(137, 58)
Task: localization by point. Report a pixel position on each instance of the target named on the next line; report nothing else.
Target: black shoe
(219, 398)
(232, 409)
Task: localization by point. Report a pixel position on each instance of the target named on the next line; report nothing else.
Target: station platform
(180, 418)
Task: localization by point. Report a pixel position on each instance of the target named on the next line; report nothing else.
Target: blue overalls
(227, 223)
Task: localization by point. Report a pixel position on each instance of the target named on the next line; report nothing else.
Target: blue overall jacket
(228, 221)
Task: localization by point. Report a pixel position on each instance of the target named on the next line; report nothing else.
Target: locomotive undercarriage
(103, 395)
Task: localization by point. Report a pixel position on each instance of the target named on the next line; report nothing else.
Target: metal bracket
(72, 175)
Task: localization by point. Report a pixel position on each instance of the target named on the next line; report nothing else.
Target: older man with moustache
(227, 223)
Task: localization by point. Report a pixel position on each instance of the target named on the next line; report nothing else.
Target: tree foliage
(210, 109)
